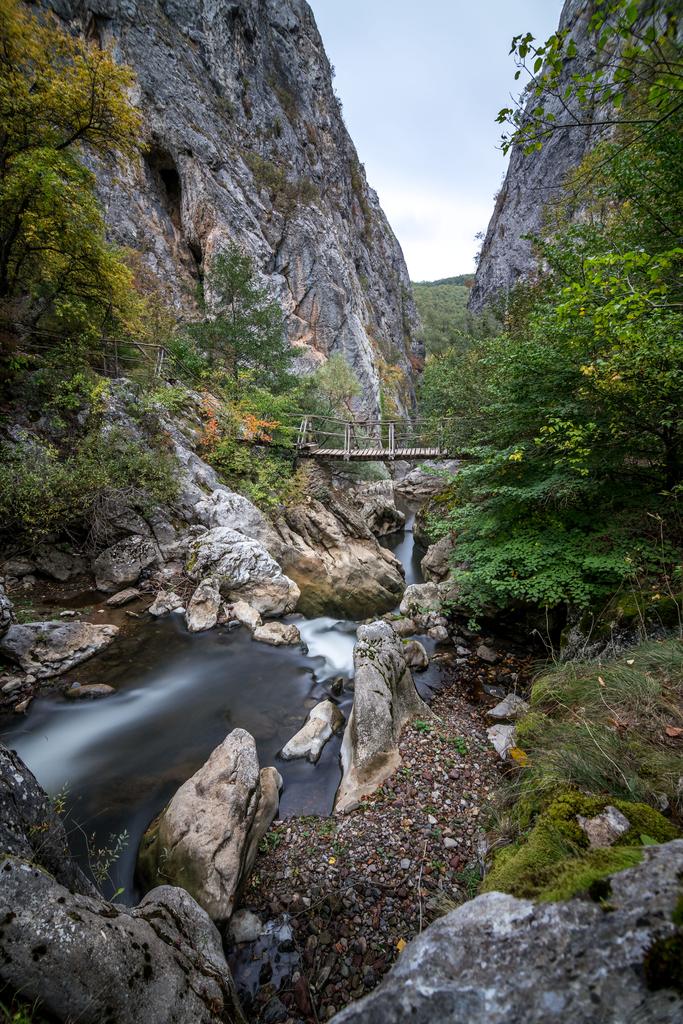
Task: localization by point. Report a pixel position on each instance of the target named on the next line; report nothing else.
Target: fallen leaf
(673, 730)
(630, 661)
(401, 945)
(601, 681)
(332, 860)
(520, 756)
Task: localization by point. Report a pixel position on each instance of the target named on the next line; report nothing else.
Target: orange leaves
(255, 429)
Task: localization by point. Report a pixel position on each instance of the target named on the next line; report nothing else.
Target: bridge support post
(347, 442)
(392, 440)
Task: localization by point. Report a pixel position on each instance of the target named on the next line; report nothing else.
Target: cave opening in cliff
(167, 179)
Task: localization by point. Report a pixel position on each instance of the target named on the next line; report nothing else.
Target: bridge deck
(372, 454)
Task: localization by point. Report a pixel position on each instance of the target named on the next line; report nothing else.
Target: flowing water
(118, 760)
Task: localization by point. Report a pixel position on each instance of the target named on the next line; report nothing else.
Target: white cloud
(436, 230)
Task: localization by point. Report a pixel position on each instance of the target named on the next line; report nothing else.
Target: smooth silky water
(119, 759)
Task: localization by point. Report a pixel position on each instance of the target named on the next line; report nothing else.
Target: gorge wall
(246, 142)
(533, 180)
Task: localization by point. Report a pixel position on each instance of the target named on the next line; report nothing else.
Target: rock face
(323, 721)
(416, 483)
(47, 649)
(533, 180)
(498, 959)
(424, 603)
(336, 561)
(384, 699)
(247, 142)
(206, 838)
(244, 570)
(81, 958)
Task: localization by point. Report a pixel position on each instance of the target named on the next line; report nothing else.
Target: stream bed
(118, 760)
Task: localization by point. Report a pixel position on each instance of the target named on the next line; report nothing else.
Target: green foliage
(442, 306)
(574, 414)
(57, 95)
(244, 334)
(629, 74)
(553, 860)
(43, 490)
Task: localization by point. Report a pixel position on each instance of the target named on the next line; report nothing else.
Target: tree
(575, 413)
(336, 385)
(59, 97)
(244, 335)
(628, 74)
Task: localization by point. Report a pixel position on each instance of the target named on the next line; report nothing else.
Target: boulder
(415, 655)
(323, 721)
(403, 627)
(510, 707)
(165, 602)
(204, 606)
(424, 603)
(240, 611)
(6, 614)
(59, 563)
(123, 562)
(226, 508)
(374, 501)
(277, 633)
(49, 648)
(123, 597)
(244, 571)
(498, 959)
(436, 564)
(88, 691)
(207, 836)
(385, 698)
(77, 956)
(336, 561)
(421, 482)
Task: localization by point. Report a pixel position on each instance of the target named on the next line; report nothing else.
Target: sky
(421, 84)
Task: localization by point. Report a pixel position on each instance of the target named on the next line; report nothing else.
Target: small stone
(462, 651)
(509, 709)
(123, 597)
(278, 634)
(487, 654)
(88, 690)
(431, 819)
(502, 738)
(604, 829)
(449, 843)
(164, 603)
(11, 686)
(23, 706)
(68, 614)
(245, 926)
(405, 864)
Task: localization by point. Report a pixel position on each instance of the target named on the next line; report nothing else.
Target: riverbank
(354, 889)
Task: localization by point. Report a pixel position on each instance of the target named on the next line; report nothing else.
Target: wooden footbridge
(333, 439)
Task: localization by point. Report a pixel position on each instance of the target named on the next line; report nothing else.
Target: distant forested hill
(442, 305)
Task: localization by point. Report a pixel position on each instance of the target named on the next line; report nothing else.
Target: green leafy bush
(43, 491)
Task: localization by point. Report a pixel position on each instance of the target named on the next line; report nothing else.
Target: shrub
(43, 491)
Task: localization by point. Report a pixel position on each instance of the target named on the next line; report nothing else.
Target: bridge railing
(388, 436)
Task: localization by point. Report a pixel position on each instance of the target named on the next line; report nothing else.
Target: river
(118, 760)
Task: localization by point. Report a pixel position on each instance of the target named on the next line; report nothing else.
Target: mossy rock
(554, 861)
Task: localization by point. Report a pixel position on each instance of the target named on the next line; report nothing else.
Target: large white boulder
(49, 648)
(206, 838)
(323, 721)
(244, 570)
(204, 606)
(384, 699)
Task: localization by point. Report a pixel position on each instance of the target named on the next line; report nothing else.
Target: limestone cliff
(534, 180)
(246, 141)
